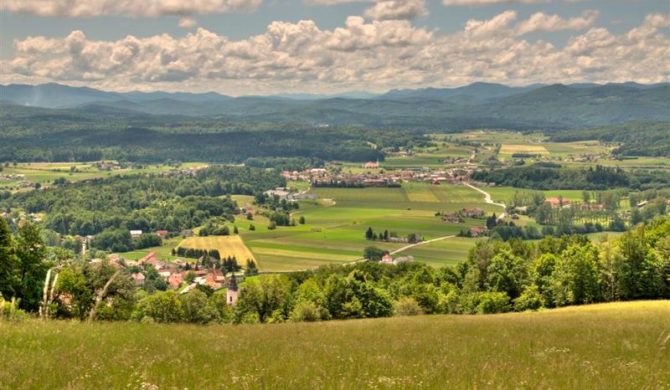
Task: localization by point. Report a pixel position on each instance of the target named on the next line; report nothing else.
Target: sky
(251, 47)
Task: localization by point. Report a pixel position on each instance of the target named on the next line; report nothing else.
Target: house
(522, 210)
(175, 280)
(452, 217)
(135, 233)
(642, 204)
(232, 293)
(161, 233)
(279, 192)
(215, 279)
(387, 259)
(138, 278)
(152, 260)
(477, 231)
(371, 165)
(556, 202)
(186, 233)
(474, 212)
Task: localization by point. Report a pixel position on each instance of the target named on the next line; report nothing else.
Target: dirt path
(488, 199)
(406, 247)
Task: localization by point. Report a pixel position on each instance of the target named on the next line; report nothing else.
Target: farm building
(477, 231)
(556, 202)
(474, 212)
(138, 278)
(387, 259)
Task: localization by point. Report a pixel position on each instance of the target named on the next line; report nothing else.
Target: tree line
(496, 277)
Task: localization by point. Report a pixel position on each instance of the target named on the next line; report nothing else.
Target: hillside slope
(619, 345)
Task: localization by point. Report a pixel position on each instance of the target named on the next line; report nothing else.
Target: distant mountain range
(477, 105)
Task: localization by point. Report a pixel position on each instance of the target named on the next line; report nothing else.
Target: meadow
(606, 346)
(226, 245)
(46, 173)
(336, 224)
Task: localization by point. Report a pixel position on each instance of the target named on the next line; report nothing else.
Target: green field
(46, 173)
(608, 346)
(336, 224)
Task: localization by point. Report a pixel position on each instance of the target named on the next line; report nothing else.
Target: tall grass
(609, 346)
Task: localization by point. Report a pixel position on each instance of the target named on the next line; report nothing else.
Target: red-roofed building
(138, 278)
(556, 202)
(477, 231)
(175, 280)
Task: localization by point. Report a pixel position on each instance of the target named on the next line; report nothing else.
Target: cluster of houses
(175, 274)
(13, 176)
(108, 165)
(323, 177)
(459, 216)
(283, 193)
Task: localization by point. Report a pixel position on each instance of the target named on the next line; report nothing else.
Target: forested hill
(637, 139)
(474, 106)
(95, 133)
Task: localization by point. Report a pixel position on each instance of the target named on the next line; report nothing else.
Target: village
(322, 177)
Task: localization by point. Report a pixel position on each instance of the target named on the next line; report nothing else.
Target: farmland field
(226, 245)
(607, 346)
(46, 173)
(334, 231)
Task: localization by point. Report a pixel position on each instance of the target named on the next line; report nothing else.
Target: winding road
(488, 199)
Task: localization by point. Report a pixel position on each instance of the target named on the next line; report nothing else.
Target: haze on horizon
(264, 47)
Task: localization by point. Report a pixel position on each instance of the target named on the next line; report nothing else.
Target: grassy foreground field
(609, 346)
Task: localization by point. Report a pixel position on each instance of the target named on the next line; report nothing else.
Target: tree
(74, 296)
(373, 253)
(301, 220)
(507, 273)
(251, 268)
(31, 253)
(267, 296)
(576, 277)
(640, 271)
(8, 262)
(369, 234)
(162, 306)
(197, 309)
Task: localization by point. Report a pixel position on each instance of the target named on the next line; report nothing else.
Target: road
(488, 199)
(406, 247)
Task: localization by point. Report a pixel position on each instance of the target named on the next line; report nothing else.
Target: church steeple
(231, 294)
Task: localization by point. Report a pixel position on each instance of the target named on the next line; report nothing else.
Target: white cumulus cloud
(397, 9)
(91, 8)
(362, 54)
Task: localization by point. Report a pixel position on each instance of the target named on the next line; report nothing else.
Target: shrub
(530, 299)
(305, 312)
(485, 303)
(407, 306)
(9, 310)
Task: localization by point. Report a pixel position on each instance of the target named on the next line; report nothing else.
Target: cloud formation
(152, 8)
(396, 9)
(362, 54)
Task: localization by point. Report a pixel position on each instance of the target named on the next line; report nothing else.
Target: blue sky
(330, 54)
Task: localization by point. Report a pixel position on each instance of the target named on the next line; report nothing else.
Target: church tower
(231, 294)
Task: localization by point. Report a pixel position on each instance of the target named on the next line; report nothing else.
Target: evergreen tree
(8, 262)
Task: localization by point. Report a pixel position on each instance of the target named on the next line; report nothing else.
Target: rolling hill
(552, 107)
